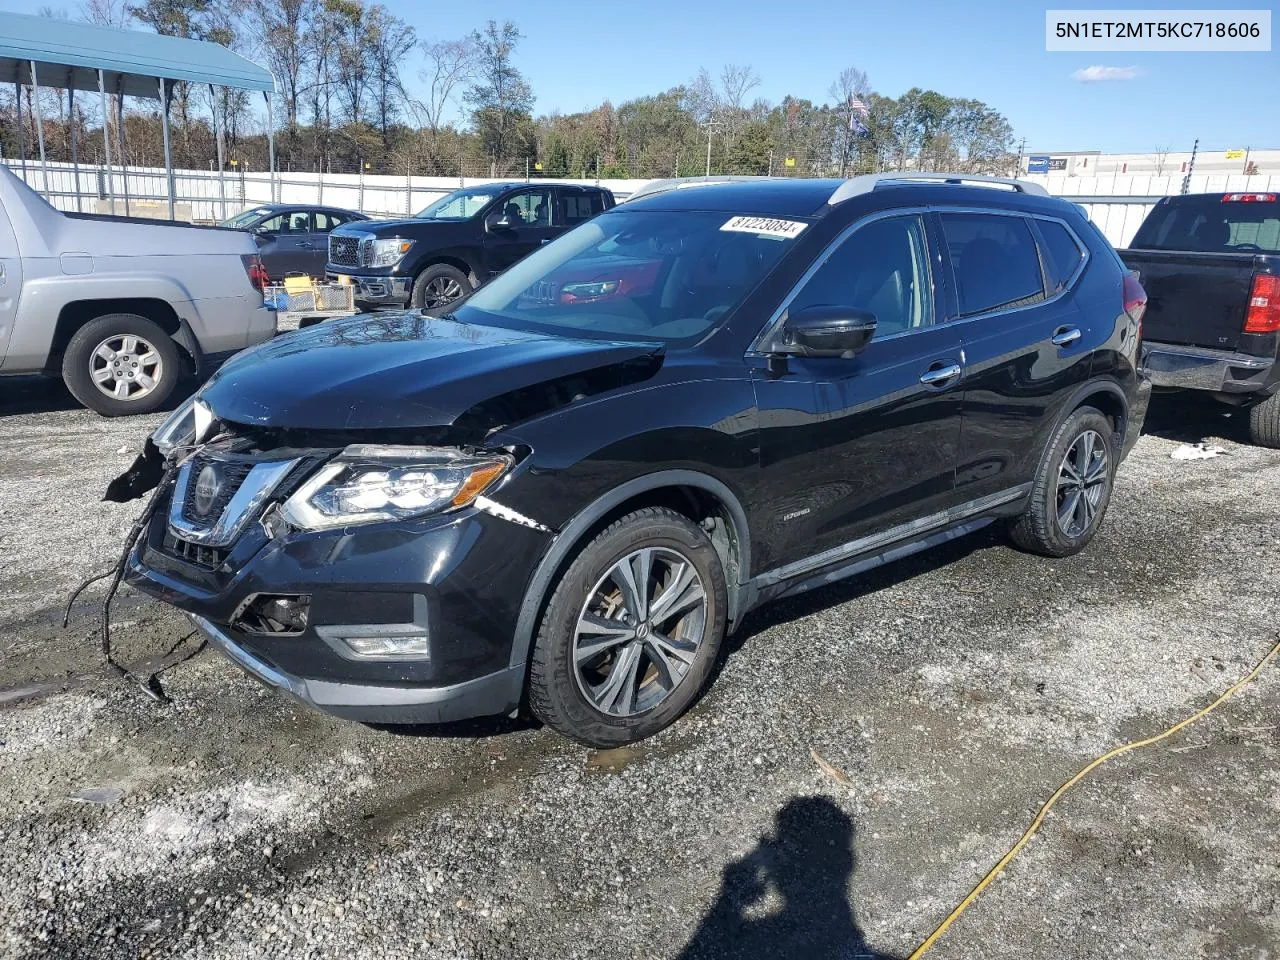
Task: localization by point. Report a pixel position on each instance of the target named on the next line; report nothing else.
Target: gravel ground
(953, 690)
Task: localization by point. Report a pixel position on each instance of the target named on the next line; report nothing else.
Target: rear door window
(995, 261)
(1062, 253)
(1212, 225)
(578, 207)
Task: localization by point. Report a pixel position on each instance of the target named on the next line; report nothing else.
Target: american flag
(859, 106)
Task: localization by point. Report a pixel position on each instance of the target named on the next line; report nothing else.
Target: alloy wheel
(439, 291)
(639, 631)
(1083, 476)
(125, 367)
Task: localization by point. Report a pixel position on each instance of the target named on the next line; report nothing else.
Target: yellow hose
(995, 871)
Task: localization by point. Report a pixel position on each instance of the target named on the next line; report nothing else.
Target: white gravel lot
(955, 689)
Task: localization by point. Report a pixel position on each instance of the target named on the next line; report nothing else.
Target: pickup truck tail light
(1135, 298)
(1264, 305)
(257, 272)
(1248, 198)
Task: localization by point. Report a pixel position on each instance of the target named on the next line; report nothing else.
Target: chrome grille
(250, 485)
(231, 474)
(344, 251)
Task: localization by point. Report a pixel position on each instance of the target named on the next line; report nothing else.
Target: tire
(144, 357)
(1041, 528)
(435, 287)
(1264, 422)
(584, 697)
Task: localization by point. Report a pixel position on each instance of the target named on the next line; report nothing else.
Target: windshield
(241, 220)
(645, 276)
(459, 205)
(1213, 225)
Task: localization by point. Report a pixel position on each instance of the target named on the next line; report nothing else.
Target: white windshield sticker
(765, 226)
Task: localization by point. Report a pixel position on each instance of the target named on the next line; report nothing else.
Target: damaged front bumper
(448, 588)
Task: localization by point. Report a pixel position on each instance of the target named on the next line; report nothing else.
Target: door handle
(1065, 336)
(940, 373)
(305, 244)
(544, 240)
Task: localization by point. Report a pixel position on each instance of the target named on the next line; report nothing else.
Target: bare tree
(735, 83)
(1162, 158)
(105, 13)
(450, 64)
(390, 40)
(281, 26)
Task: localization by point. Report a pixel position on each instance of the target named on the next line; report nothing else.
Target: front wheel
(631, 631)
(439, 285)
(1072, 488)
(120, 364)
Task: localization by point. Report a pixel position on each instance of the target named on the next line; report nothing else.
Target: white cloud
(1098, 73)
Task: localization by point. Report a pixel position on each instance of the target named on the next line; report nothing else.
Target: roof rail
(857, 186)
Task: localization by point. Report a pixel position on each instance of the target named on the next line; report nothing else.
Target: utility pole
(711, 125)
(1017, 170)
(1186, 181)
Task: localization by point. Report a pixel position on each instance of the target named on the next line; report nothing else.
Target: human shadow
(789, 897)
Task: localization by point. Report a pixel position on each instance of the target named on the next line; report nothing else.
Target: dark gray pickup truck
(1210, 264)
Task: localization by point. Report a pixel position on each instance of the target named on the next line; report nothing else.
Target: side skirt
(867, 553)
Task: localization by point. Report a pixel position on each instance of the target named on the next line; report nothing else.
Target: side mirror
(827, 331)
(496, 222)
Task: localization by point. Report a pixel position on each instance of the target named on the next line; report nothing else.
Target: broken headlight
(185, 427)
(367, 484)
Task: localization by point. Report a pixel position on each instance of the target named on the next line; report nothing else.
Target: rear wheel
(438, 286)
(120, 364)
(1264, 422)
(630, 634)
(1072, 488)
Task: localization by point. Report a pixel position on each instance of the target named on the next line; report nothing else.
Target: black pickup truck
(457, 243)
(1210, 264)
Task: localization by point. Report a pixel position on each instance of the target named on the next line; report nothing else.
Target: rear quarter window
(1211, 225)
(1062, 254)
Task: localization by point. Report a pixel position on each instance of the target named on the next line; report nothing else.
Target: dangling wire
(151, 685)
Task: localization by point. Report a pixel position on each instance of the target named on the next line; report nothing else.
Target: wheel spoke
(149, 359)
(619, 689)
(1080, 516)
(666, 676)
(1067, 511)
(129, 345)
(1084, 452)
(635, 595)
(684, 592)
(1069, 471)
(105, 352)
(1097, 472)
(597, 634)
(121, 392)
(686, 651)
(145, 381)
(102, 375)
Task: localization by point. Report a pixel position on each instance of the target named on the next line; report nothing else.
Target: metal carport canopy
(130, 60)
(82, 56)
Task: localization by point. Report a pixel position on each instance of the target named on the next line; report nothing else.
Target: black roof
(809, 199)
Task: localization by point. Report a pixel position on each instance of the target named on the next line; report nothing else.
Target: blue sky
(577, 53)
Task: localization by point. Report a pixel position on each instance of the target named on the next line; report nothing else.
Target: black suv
(457, 243)
(567, 490)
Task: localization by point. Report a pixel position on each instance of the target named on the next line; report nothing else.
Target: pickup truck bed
(1210, 264)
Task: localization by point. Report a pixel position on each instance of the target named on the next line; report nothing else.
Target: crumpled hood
(396, 370)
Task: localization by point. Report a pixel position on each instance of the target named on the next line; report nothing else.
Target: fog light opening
(272, 614)
(388, 648)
